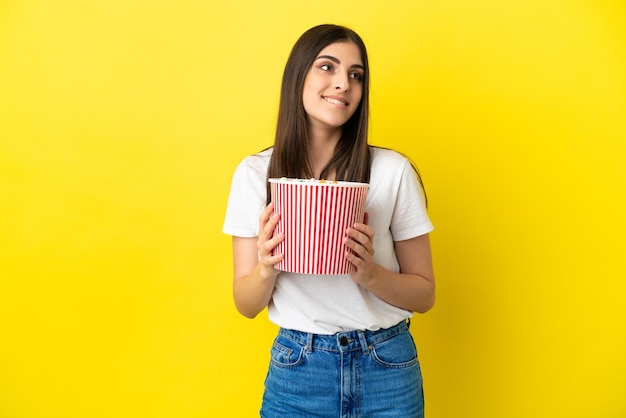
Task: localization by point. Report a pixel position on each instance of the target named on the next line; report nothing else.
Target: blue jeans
(349, 374)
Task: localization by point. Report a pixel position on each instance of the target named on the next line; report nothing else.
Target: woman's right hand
(254, 272)
(267, 241)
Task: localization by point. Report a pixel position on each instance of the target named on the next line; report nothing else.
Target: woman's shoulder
(387, 157)
(260, 160)
(254, 166)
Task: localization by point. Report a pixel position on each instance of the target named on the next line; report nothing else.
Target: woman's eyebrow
(337, 61)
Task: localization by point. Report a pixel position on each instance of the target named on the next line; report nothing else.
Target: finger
(272, 260)
(365, 229)
(267, 212)
(357, 261)
(358, 236)
(361, 244)
(270, 225)
(275, 240)
(267, 223)
(359, 251)
(350, 243)
(268, 246)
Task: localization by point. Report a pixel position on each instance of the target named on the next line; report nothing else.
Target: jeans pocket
(286, 353)
(396, 352)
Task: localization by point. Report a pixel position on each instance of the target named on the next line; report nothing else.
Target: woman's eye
(357, 76)
(326, 67)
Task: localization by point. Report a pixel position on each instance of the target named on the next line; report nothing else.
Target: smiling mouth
(336, 101)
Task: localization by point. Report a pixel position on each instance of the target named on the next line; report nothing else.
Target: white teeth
(337, 102)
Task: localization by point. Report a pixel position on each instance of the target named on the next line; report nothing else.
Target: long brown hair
(290, 157)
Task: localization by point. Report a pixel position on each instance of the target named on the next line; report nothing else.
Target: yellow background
(122, 121)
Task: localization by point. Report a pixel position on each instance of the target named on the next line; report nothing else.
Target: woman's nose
(341, 82)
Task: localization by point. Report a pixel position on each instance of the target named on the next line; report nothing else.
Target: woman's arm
(413, 288)
(254, 272)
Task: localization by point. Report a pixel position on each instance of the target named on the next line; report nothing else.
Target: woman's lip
(336, 100)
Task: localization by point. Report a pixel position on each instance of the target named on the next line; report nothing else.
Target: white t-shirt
(330, 304)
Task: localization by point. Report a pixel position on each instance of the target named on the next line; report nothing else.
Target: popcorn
(316, 181)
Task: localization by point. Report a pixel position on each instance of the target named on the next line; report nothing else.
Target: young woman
(343, 348)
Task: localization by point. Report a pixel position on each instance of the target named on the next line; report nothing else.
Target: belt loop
(363, 342)
(309, 342)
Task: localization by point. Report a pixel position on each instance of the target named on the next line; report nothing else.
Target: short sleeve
(410, 217)
(246, 199)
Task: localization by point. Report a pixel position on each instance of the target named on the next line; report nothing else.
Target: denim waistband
(344, 341)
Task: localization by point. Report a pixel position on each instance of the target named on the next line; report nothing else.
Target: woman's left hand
(360, 239)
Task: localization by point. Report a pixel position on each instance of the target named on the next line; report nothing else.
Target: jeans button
(343, 341)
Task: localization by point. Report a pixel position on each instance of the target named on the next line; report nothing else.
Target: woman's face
(334, 86)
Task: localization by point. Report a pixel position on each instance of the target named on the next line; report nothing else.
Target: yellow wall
(121, 123)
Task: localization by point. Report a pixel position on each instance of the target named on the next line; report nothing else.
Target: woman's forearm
(407, 291)
(253, 292)
(413, 288)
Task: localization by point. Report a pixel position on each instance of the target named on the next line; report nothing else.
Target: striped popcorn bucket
(314, 216)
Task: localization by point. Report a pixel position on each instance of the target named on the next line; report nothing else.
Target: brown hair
(290, 157)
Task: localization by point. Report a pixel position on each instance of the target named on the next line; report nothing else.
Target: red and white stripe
(314, 218)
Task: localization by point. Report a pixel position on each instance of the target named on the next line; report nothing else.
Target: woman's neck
(321, 150)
